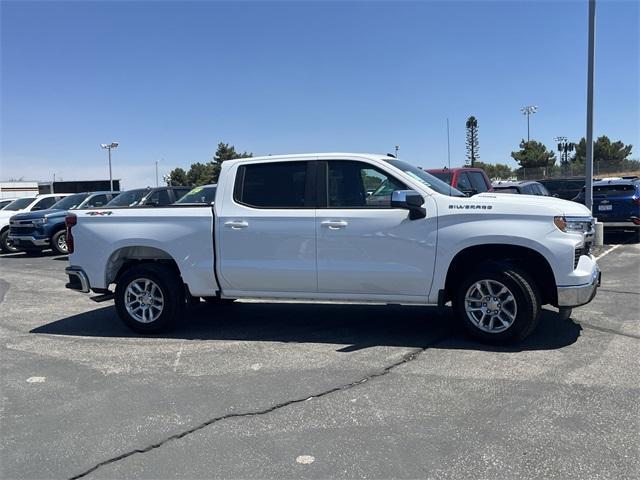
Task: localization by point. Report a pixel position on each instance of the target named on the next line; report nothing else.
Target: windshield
(425, 178)
(72, 201)
(128, 199)
(204, 195)
(19, 204)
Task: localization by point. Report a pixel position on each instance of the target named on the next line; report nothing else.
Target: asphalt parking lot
(259, 390)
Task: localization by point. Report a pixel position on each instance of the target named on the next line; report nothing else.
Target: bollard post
(598, 239)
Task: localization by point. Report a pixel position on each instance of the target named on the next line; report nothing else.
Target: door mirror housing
(409, 200)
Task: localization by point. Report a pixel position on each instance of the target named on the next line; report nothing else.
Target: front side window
(128, 199)
(272, 185)
(353, 184)
(159, 198)
(72, 201)
(44, 204)
(199, 195)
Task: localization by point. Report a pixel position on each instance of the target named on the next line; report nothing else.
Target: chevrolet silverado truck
(308, 227)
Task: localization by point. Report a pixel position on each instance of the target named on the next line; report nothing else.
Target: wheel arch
(524, 258)
(123, 258)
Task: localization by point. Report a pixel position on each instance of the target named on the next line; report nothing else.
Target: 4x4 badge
(93, 213)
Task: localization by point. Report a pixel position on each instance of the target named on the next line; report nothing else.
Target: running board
(103, 298)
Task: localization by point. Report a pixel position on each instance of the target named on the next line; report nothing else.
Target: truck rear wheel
(149, 297)
(498, 304)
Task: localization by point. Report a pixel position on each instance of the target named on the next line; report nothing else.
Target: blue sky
(169, 80)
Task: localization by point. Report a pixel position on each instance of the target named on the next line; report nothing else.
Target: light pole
(588, 166)
(528, 111)
(109, 147)
(157, 173)
(397, 148)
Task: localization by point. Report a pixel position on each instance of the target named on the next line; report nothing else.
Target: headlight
(573, 224)
(39, 221)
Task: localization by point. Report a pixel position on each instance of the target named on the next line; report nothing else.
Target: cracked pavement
(262, 390)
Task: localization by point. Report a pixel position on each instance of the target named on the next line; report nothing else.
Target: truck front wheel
(148, 297)
(59, 242)
(498, 303)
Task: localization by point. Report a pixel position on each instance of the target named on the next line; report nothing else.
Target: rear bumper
(574, 296)
(78, 280)
(28, 240)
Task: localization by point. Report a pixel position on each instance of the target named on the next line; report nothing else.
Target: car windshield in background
(425, 178)
(613, 190)
(201, 195)
(128, 199)
(70, 202)
(19, 204)
(446, 177)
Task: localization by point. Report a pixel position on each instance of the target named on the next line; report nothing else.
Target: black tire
(59, 242)
(5, 246)
(523, 293)
(218, 300)
(172, 292)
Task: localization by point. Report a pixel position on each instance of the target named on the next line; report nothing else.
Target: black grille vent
(576, 257)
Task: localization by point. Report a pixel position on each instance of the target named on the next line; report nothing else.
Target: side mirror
(409, 200)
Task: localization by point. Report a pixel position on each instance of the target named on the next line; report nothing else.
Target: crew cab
(38, 230)
(304, 227)
(25, 204)
(469, 180)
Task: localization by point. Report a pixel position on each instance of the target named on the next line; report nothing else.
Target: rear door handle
(334, 224)
(236, 224)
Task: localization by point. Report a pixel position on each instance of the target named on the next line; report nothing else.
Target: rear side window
(272, 185)
(158, 198)
(97, 201)
(477, 182)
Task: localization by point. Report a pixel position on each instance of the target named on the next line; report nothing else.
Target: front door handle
(334, 224)
(236, 225)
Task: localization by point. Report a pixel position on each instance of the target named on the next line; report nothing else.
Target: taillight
(70, 220)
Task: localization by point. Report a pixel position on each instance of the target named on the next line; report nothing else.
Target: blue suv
(616, 202)
(36, 231)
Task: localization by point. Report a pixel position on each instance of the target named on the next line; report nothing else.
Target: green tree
(201, 174)
(606, 154)
(534, 154)
(472, 140)
(225, 152)
(178, 177)
(496, 171)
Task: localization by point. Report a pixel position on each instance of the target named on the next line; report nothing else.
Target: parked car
(469, 180)
(26, 204)
(149, 197)
(42, 229)
(302, 226)
(5, 202)
(565, 188)
(616, 202)
(524, 187)
(203, 195)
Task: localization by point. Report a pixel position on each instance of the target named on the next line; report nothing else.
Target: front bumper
(28, 241)
(574, 296)
(78, 280)
(628, 224)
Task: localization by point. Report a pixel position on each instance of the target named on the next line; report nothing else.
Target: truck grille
(20, 230)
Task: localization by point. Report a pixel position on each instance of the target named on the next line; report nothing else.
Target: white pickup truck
(342, 227)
